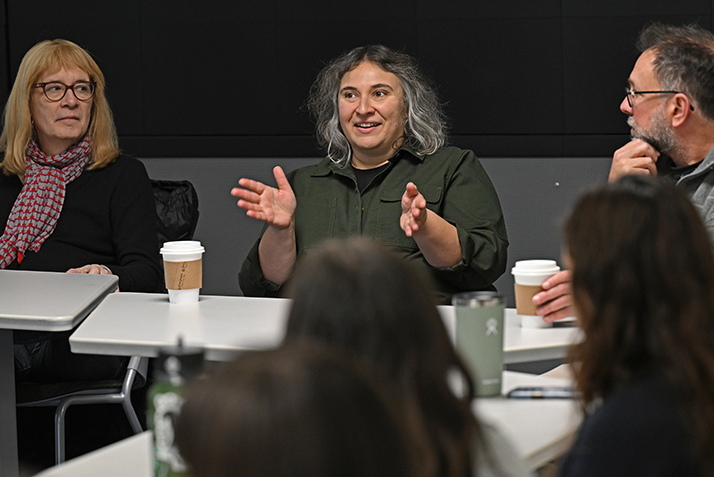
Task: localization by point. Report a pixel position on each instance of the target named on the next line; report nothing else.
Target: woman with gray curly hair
(424, 122)
(388, 175)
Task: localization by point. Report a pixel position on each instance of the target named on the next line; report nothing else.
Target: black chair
(176, 210)
(176, 217)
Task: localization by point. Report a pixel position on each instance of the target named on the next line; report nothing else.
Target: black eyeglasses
(630, 94)
(55, 90)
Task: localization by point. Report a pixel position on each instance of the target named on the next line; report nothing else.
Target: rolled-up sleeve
(471, 204)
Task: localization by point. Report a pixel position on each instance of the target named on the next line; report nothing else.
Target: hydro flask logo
(491, 326)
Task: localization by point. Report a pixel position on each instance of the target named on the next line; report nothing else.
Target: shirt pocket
(389, 231)
(314, 220)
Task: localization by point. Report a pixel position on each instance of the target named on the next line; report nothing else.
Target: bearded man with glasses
(669, 102)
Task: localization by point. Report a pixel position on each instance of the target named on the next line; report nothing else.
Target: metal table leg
(8, 417)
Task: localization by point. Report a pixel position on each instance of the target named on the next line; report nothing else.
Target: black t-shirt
(365, 176)
(667, 168)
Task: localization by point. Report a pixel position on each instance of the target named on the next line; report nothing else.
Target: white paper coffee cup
(529, 276)
(183, 270)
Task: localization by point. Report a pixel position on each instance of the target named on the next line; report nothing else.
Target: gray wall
(535, 194)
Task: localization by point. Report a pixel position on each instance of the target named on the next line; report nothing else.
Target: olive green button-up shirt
(455, 186)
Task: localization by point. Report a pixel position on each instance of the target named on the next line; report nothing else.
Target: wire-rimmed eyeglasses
(630, 94)
(55, 90)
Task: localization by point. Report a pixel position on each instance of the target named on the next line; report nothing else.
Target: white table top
(538, 429)
(525, 344)
(140, 324)
(128, 324)
(40, 301)
(132, 456)
(49, 301)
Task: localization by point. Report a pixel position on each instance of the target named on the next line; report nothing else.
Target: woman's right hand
(274, 206)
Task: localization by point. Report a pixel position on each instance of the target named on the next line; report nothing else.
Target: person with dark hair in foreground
(388, 175)
(643, 290)
(369, 301)
(304, 409)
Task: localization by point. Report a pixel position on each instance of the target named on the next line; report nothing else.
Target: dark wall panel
(488, 92)
(459, 9)
(598, 55)
(211, 64)
(204, 79)
(227, 79)
(108, 30)
(615, 8)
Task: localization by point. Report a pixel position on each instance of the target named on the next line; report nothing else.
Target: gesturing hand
(414, 211)
(273, 206)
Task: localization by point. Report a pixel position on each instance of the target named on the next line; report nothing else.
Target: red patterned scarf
(38, 206)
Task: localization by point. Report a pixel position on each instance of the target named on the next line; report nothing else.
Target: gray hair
(425, 125)
(684, 61)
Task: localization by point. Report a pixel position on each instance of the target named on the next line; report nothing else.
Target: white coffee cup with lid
(183, 270)
(529, 276)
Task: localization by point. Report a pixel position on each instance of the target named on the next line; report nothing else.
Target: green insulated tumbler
(479, 337)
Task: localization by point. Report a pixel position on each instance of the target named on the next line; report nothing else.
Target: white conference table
(539, 430)
(133, 456)
(39, 301)
(138, 324)
(521, 345)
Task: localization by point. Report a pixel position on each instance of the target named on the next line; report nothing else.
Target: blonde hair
(51, 56)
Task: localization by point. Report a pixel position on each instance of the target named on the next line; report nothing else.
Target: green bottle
(172, 369)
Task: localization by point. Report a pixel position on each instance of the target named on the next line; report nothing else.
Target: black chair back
(176, 210)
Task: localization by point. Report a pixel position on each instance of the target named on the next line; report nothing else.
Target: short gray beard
(659, 133)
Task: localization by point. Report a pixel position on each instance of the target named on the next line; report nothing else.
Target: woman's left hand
(436, 238)
(93, 269)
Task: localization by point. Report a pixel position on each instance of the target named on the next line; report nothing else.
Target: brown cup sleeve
(183, 275)
(524, 298)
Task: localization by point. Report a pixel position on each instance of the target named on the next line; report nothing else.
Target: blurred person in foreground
(643, 291)
(303, 409)
(670, 107)
(388, 175)
(368, 300)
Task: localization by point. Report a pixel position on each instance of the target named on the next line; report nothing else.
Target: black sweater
(640, 430)
(108, 218)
